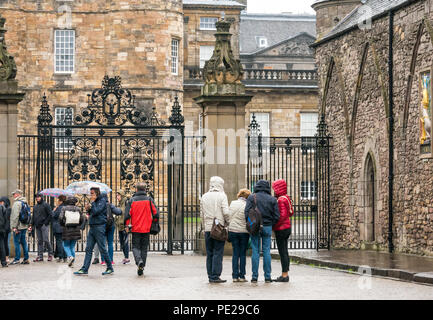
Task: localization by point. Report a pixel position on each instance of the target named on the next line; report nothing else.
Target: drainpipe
(391, 131)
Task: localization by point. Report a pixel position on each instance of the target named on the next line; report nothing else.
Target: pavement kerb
(404, 275)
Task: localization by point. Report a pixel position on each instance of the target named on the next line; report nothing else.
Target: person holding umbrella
(97, 221)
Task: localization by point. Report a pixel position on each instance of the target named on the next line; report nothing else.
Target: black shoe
(4, 265)
(282, 279)
(268, 280)
(95, 261)
(253, 280)
(25, 262)
(140, 268)
(218, 281)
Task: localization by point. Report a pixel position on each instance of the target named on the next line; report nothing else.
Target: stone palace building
(375, 65)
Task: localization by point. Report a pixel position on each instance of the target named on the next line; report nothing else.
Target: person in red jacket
(283, 228)
(140, 211)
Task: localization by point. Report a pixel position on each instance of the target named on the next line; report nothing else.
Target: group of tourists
(68, 221)
(268, 213)
(247, 222)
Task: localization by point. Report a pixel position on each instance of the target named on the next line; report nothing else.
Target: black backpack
(254, 219)
(25, 216)
(110, 218)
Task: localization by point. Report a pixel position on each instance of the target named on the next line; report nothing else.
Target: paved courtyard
(184, 277)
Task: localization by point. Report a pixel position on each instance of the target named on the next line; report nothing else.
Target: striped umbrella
(83, 187)
(56, 192)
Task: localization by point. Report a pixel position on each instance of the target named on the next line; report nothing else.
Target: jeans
(69, 246)
(60, 251)
(20, 239)
(123, 238)
(95, 236)
(2, 248)
(239, 260)
(282, 238)
(43, 241)
(140, 243)
(214, 260)
(110, 238)
(262, 240)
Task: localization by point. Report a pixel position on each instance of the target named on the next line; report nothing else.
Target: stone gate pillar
(10, 96)
(223, 101)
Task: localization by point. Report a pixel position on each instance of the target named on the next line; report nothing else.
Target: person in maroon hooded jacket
(283, 228)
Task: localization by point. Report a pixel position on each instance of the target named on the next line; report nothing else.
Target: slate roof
(275, 27)
(372, 9)
(225, 3)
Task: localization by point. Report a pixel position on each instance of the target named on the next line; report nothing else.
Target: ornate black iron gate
(113, 142)
(303, 162)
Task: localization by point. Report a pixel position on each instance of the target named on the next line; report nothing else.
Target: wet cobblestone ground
(184, 278)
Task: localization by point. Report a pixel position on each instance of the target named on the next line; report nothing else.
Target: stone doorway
(370, 200)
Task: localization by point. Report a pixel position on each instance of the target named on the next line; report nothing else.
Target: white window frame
(308, 190)
(63, 51)
(263, 117)
(265, 42)
(208, 23)
(206, 53)
(175, 56)
(59, 117)
(308, 130)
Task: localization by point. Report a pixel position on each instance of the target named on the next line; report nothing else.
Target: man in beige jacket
(18, 228)
(214, 204)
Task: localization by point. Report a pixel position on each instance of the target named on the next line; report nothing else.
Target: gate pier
(223, 101)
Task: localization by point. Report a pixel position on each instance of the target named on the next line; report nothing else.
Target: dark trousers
(239, 260)
(140, 244)
(43, 241)
(60, 251)
(2, 248)
(282, 238)
(123, 238)
(6, 243)
(214, 260)
(95, 236)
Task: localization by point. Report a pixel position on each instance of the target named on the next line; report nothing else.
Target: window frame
(56, 66)
(177, 41)
(200, 56)
(61, 131)
(208, 23)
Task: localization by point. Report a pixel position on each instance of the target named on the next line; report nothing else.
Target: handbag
(155, 228)
(72, 218)
(219, 231)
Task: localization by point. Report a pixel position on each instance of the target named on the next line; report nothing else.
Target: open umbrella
(83, 187)
(55, 193)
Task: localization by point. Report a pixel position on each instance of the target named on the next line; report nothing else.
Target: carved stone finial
(223, 68)
(8, 68)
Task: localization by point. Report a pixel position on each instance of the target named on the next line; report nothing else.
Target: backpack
(3, 219)
(254, 219)
(72, 218)
(25, 216)
(110, 218)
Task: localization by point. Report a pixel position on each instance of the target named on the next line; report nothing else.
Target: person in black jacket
(3, 222)
(4, 201)
(72, 232)
(97, 212)
(268, 206)
(42, 215)
(58, 230)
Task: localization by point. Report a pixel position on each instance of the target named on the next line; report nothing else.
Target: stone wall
(359, 126)
(131, 39)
